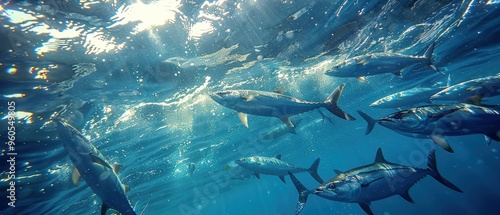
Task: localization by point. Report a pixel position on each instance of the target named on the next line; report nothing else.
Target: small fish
(438, 121)
(274, 104)
(275, 166)
(380, 63)
(376, 181)
(472, 91)
(191, 168)
(91, 165)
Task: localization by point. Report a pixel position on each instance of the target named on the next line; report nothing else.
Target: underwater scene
(272, 107)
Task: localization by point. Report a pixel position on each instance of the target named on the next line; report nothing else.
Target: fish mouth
(319, 189)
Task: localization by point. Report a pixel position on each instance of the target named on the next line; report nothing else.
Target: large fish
(372, 182)
(472, 91)
(275, 166)
(91, 165)
(408, 97)
(380, 63)
(275, 104)
(438, 121)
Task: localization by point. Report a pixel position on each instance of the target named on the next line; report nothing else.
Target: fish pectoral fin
(280, 90)
(248, 98)
(398, 73)
(100, 161)
(370, 182)
(278, 156)
(286, 120)
(407, 196)
(441, 141)
(75, 176)
(494, 136)
(361, 79)
(257, 175)
(104, 208)
(117, 167)
(126, 188)
(366, 208)
(282, 179)
(243, 118)
(475, 100)
(363, 61)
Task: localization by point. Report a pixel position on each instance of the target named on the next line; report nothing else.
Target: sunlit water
(135, 76)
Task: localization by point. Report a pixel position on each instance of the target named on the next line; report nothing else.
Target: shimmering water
(134, 78)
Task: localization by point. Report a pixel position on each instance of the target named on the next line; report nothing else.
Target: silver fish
(275, 166)
(472, 91)
(274, 104)
(91, 165)
(438, 121)
(372, 182)
(380, 63)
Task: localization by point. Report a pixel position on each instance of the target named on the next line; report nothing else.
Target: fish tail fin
(428, 55)
(432, 166)
(332, 104)
(371, 122)
(303, 193)
(313, 170)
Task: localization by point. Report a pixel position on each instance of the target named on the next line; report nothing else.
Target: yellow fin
(243, 118)
(75, 176)
(362, 78)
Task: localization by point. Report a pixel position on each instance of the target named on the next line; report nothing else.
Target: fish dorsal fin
(379, 158)
(100, 161)
(104, 208)
(287, 121)
(243, 118)
(280, 90)
(338, 172)
(117, 167)
(278, 156)
(75, 176)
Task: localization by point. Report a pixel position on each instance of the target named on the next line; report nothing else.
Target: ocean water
(134, 78)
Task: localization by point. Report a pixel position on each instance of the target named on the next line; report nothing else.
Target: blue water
(134, 78)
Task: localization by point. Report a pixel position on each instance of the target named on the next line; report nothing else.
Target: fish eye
(331, 186)
(397, 116)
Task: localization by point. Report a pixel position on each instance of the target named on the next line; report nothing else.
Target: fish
(438, 121)
(380, 63)
(91, 165)
(368, 183)
(275, 166)
(408, 97)
(275, 104)
(471, 91)
(280, 131)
